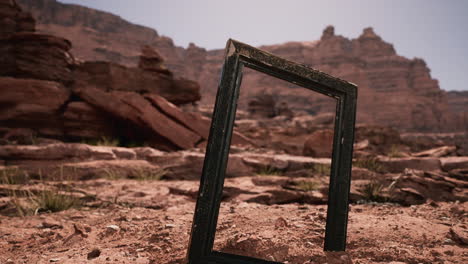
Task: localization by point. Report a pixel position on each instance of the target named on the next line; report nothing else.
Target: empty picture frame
(238, 55)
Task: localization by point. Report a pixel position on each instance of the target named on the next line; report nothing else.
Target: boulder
(151, 60)
(194, 121)
(34, 104)
(319, 144)
(451, 163)
(416, 187)
(147, 121)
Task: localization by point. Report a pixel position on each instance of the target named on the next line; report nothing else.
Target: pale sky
(435, 30)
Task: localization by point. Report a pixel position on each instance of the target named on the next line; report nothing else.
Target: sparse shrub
(108, 142)
(112, 174)
(54, 201)
(30, 203)
(395, 152)
(307, 186)
(13, 176)
(373, 191)
(149, 174)
(321, 169)
(371, 164)
(268, 170)
(102, 141)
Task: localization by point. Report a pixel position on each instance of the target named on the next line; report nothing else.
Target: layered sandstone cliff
(45, 92)
(393, 90)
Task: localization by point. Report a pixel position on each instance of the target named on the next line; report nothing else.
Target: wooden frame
(237, 56)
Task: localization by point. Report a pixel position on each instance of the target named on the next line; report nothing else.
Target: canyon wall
(393, 90)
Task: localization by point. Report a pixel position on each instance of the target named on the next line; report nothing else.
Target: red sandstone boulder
(32, 103)
(319, 144)
(452, 163)
(151, 60)
(194, 121)
(416, 187)
(147, 120)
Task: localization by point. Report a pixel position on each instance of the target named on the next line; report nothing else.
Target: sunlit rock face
(393, 90)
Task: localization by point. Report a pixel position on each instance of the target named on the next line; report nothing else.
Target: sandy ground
(149, 222)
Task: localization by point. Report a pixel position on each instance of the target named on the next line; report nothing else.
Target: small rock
(338, 258)
(169, 225)
(94, 253)
(112, 228)
(51, 225)
(281, 222)
(54, 260)
(458, 235)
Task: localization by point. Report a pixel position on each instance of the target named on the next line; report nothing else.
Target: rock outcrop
(47, 92)
(458, 104)
(393, 90)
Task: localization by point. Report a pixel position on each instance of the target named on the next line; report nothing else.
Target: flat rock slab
(398, 165)
(451, 163)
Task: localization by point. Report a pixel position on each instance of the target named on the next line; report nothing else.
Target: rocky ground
(100, 162)
(131, 221)
(77, 203)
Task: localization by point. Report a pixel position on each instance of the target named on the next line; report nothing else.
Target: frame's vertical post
(208, 202)
(340, 176)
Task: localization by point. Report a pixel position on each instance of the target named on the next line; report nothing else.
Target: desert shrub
(321, 169)
(112, 174)
(149, 174)
(13, 176)
(395, 152)
(30, 203)
(371, 164)
(54, 201)
(102, 141)
(307, 186)
(268, 170)
(373, 191)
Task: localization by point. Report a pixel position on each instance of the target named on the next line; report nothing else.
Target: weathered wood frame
(237, 56)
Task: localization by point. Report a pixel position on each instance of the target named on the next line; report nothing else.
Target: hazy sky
(435, 30)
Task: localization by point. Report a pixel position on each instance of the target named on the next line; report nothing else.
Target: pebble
(113, 228)
(94, 253)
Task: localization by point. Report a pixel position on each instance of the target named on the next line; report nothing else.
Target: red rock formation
(110, 76)
(37, 56)
(13, 19)
(33, 104)
(26, 54)
(393, 90)
(89, 100)
(458, 104)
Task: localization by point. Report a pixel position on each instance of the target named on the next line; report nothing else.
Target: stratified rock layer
(45, 92)
(393, 90)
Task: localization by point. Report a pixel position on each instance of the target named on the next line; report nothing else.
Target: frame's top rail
(271, 61)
